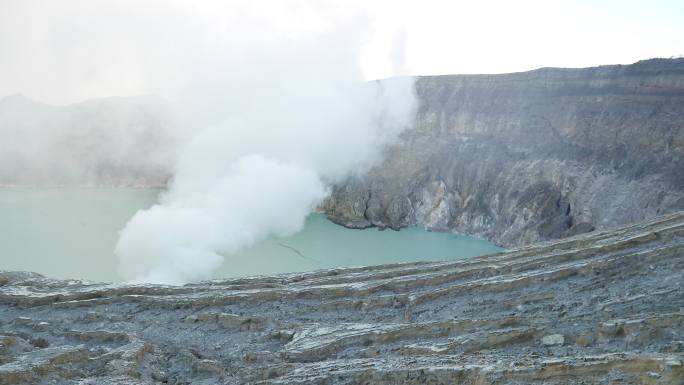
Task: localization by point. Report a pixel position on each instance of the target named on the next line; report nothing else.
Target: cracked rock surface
(599, 308)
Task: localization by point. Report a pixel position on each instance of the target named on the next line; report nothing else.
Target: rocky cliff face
(522, 157)
(598, 308)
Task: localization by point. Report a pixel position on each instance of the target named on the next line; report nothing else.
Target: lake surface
(71, 233)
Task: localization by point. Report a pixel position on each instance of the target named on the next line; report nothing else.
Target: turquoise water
(71, 232)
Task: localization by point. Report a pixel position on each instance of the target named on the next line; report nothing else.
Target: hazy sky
(69, 50)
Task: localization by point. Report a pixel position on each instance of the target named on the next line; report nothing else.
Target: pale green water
(71, 232)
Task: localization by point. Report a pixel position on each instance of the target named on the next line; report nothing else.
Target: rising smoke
(287, 115)
(272, 108)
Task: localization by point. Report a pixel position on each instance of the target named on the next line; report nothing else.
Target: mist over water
(284, 118)
(263, 107)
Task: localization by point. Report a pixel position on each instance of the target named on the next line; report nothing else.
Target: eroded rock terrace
(604, 307)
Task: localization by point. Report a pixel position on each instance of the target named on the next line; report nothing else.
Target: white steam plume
(279, 112)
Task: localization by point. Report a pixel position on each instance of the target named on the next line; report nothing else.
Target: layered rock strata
(519, 158)
(598, 308)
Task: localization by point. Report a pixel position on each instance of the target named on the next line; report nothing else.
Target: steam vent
(599, 308)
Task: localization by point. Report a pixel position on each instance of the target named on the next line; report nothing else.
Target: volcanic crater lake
(71, 233)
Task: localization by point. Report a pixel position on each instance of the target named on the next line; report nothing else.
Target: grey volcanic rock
(598, 308)
(523, 157)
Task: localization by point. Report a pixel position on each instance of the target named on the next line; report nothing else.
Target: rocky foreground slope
(538, 155)
(600, 308)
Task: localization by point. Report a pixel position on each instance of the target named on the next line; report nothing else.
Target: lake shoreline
(70, 233)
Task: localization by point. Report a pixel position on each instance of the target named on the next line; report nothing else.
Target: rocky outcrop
(597, 308)
(531, 156)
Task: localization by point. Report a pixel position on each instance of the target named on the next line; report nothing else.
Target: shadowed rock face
(598, 308)
(531, 156)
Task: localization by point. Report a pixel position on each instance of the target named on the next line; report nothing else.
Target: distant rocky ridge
(600, 308)
(118, 141)
(523, 157)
